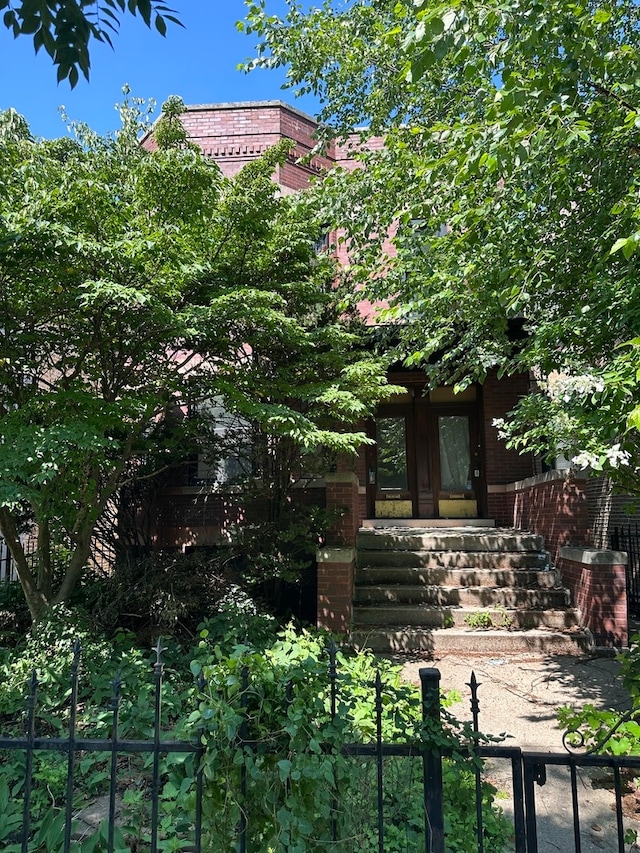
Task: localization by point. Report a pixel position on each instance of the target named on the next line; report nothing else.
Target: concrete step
(435, 616)
(392, 575)
(454, 596)
(391, 523)
(467, 590)
(436, 642)
(454, 559)
(448, 539)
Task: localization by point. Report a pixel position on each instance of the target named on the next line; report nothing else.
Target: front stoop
(466, 590)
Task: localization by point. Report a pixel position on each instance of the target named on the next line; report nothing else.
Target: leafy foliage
(65, 27)
(510, 170)
(296, 773)
(300, 782)
(138, 286)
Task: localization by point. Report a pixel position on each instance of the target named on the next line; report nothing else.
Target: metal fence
(7, 569)
(528, 772)
(627, 539)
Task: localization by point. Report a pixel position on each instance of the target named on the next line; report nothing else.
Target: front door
(457, 466)
(426, 462)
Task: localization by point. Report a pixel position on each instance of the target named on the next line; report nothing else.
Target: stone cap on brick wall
(336, 555)
(594, 556)
(563, 475)
(234, 105)
(341, 477)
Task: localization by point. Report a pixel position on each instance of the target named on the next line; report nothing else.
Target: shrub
(611, 731)
(165, 592)
(299, 782)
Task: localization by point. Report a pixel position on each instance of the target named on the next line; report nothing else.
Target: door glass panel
(455, 456)
(391, 438)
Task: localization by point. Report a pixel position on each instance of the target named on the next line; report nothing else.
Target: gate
(627, 539)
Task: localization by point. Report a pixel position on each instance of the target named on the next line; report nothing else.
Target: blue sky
(197, 62)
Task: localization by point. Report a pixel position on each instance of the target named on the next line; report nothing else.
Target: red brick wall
(335, 589)
(555, 506)
(186, 516)
(500, 508)
(235, 134)
(499, 396)
(598, 587)
(342, 494)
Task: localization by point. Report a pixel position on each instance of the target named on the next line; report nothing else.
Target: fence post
(158, 671)
(31, 711)
(432, 764)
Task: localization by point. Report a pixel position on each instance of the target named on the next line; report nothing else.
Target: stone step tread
(437, 559)
(479, 598)
(443, 616)
(404, 575)
(445, 595)
(438, 640)
(400, 609)
(472, 539)
(397, 587)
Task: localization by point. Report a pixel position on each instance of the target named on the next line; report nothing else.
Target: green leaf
(621, 243)
(284, 769)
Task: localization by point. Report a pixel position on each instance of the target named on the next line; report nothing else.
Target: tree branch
(609, 93)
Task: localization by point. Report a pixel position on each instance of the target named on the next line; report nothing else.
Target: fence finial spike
(378, 680)
(116, 682)
(473, 681)
(159, 648)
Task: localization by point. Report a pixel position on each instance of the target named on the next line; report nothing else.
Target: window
(225, 446)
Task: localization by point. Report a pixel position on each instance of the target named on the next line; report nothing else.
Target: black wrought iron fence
(7, 571)
(528, 771)
(627, 538)
(7, 565)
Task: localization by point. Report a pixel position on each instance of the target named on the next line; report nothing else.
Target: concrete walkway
(519, 696)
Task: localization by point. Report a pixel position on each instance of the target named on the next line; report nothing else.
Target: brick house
(438, 459)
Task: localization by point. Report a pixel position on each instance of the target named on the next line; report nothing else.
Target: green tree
(65, 27)
(511, 168)
(135, 284)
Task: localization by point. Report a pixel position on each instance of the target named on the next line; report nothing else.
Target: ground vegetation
(242, 679)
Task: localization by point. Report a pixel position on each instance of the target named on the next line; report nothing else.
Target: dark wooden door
(457, 463)
(426, 461)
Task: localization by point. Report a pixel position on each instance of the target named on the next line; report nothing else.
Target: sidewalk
(519, 696)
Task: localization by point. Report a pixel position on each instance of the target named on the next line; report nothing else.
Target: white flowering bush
(592, 418)
(613, 457)
(565, 386)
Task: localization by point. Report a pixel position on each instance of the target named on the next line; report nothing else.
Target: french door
(426, 462)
